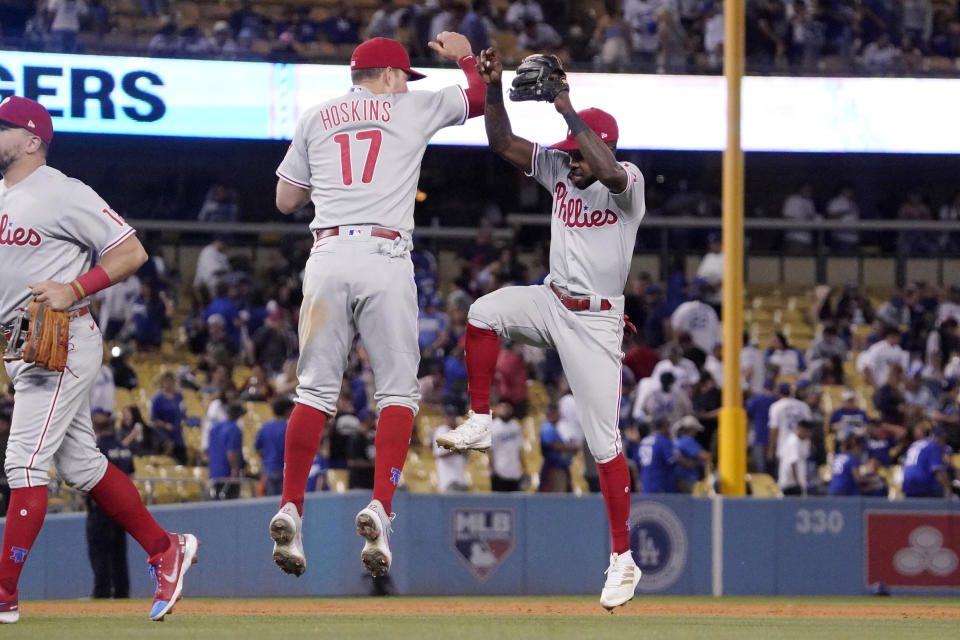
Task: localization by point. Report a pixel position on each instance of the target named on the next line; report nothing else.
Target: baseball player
(597, 207)
(357, 157)
(52, 229)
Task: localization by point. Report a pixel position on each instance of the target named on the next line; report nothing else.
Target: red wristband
(92, 281)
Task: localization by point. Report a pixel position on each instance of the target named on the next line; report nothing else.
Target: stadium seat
(763, 485)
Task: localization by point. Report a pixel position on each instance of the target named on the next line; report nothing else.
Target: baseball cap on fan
(27, 114)
(600, 122)
(379, 53)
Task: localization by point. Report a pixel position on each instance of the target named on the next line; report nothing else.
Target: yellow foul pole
(733, 420)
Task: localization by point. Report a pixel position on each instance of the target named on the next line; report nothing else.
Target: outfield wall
(532, 544)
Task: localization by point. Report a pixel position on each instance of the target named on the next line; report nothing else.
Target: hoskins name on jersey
(571, 211)
(17, 236)
(355, 111)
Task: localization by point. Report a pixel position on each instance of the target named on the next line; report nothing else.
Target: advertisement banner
(910, 549)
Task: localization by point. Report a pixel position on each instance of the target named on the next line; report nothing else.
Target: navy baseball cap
(938, 431)
(784, 389)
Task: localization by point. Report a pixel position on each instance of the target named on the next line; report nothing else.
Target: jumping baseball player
(52, 231)
(597, 207)
(357, 157)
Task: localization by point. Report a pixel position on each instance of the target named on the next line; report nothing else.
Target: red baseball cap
(600, 122)
(27, 114)
(380, 53)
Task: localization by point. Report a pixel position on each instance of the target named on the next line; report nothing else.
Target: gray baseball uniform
(53, 228)
(592, 234)
(360, 155)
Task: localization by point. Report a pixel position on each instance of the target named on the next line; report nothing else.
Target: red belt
(79, 313)
(579, 304)
(377, 232)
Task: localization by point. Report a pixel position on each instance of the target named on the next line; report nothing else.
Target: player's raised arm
(514, 149)
(595, 151)
(455, 46)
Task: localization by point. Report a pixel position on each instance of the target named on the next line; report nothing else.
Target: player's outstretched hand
(55, 295)
(451, 45)
(489, 66)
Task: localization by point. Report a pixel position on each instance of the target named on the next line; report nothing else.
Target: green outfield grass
(496, 626)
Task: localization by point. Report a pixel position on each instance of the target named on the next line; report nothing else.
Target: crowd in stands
(666, 36)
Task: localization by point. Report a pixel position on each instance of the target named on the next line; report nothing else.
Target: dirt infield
(467, 606)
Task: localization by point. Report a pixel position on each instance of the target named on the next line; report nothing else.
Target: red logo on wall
(913, 549)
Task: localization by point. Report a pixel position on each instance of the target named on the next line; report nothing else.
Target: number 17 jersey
(359, 154)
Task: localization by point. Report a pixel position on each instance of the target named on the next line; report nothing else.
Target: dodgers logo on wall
(659, 544)
(913, 549)
(483, 538)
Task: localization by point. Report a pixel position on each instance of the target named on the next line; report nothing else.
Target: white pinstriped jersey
(592, 231)
(360, 154)
(51, 228)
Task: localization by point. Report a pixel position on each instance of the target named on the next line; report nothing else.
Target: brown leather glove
(48, 337)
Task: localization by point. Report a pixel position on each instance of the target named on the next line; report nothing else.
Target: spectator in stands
(539, 37)
(136, 433)
(103, 392)
(167, 412)
(783, 359)
(793, 455)
(947, 415)
(153, 7)
(246, 19)
(475, 25)
(639, 358)
(220, 204)
(879, 442)
(269, 443)
(827, 345)
(225, 455)
(911, 243)
(697, 318)
(510, 377)
(557, 454)
(107, 540)
(692, 459)
(846, 480)
(752, 365)
(299, 23)
(284, 49)
(707, 400)
(383, 22)
(451, 465)
(911, 57)
(340, 430)
(874, 363)
(710, 269)
(888, 398)
(713, 34)
(274, 343)
(257, 387)
(848, 419)
(317, 478)
(611, 38)
(950, 212)
(671, 42)
(65, 17)
(222, 44)
(916, 393)
(758, 417)
(917, 20)
(455, 377)
(843, 208)
(950, 308)
(655, 325)
(506, 450)
(431, 385)
(151, 314)
(114, 308)
(766, 34)
(881, 55)
(212, 265)
(361, 452)
(785, 414)
(220, 349)
(194, 44)
(657, 460)
(806, 36)
(227, 306)
(432, 324)
(669, 402)
(924, 468)
(641, 15)
(799, 206)
(165, 42)
(341, 25)
(684, 370)
(449, 17)
(520, 11)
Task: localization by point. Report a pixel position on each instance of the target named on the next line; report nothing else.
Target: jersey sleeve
(295, 166)
(89, 220)
(631, 200)
(444, 108)
(548, 165)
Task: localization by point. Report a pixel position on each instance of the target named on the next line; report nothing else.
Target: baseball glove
(539, 77)
(48, 337)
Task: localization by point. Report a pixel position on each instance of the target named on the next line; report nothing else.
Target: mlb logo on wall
(913, 549)
(483, 538)
(659, 543)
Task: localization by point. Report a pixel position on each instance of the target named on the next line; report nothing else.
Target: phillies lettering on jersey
(359, 154)
(51, 228)
(593, 231)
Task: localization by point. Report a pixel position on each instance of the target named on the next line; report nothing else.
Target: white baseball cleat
(373, 524)
(286, 529)
(472, 434)
(623, 576)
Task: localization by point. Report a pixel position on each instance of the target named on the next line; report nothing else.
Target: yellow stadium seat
(763, 485)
